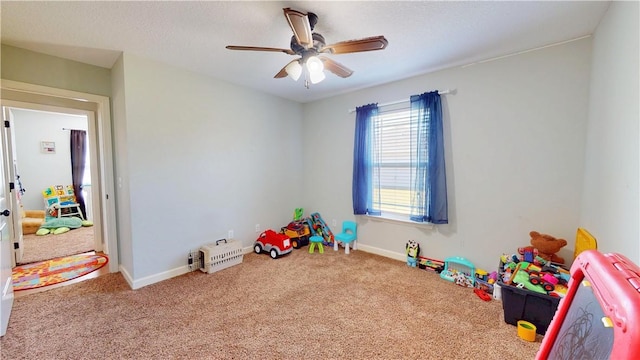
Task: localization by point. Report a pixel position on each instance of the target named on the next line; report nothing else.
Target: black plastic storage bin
(522, 304)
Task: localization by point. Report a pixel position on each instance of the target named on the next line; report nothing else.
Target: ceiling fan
(310, 47)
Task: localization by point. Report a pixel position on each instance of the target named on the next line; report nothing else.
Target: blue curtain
(361, 188)
(429, 203)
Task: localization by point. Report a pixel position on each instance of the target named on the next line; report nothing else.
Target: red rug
(55, 271)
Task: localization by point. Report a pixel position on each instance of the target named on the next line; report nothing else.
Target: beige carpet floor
(301, 306)
(38, 248)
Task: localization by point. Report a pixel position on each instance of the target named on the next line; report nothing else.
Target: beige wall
(514, 151)
(40, 69)
(611, 198)
(203, 157)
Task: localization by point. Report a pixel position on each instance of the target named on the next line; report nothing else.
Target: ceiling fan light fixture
(314, 64)
(311, 48)
(316, 69)
(316, 76)
(294, 70)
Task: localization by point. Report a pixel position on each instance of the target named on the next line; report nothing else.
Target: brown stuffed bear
(547, 246)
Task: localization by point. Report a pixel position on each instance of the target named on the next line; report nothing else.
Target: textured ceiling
(423, 36)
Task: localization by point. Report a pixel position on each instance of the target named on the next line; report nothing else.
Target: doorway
(96, 108)
(42, 158)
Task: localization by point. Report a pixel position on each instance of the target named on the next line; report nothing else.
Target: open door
(97, 108)
(14, 198)
(6, 246)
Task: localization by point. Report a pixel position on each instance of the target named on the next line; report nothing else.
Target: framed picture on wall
(48, 147)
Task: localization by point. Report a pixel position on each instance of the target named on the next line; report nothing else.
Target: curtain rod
(440, 92)
(73, 129)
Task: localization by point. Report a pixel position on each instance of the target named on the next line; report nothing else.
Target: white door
(13, 201)
(6, 251)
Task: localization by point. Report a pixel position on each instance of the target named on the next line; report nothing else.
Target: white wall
(123, 213)
(198, 157)
(37, 169)
(611, 200)
(514, 136)
(202, 157)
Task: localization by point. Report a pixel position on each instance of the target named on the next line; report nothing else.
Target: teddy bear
(548, 246)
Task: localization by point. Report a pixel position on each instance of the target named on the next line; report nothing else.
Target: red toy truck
(274, 243)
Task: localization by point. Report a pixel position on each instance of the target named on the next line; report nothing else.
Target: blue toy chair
(348, 235)
(316, 240)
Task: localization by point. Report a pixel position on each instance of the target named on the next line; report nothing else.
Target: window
(391, 177)
(399, 161)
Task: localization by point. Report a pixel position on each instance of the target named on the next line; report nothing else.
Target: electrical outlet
(230, 234)
(334, 223)
(257, 227)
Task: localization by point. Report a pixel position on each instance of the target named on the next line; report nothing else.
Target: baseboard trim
(166, 275)
(247, 250)
(126, 276)
(382, 252)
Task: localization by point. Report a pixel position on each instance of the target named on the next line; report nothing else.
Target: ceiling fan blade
(352, 46)
(259, 48)
(299, 23)
(283, 72)
(336, 67)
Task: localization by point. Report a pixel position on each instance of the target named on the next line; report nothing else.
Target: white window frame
(397, 155)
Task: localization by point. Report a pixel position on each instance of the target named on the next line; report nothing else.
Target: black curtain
(78, 157)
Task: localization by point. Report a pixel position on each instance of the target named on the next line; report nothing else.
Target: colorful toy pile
(296, 234)
(536, 275)
(484, 281)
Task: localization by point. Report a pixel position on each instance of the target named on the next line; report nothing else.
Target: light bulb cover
(314, 64)
(316, 76)
(315, 67)
(294, 70)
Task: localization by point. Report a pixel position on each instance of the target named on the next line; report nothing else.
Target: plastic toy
(526, 330)
(320, 228)
(527, 253)
(493, 277)
(274, 243)
(483, 286)
(482, 274)
(459, 270)
(522, 276)
(584, 241)
(482, 295)
(298, 232)
(430, 264)
(598, 318)
(316, 241)
(413, 250)
(547, 281)
(348, 235)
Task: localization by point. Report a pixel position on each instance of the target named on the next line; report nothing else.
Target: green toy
(58, 226)
(54, 223)
(522, 277)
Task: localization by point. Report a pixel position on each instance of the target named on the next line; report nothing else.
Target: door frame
(19, 92)
(10, 105)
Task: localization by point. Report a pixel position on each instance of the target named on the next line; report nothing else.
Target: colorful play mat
(54, 271)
